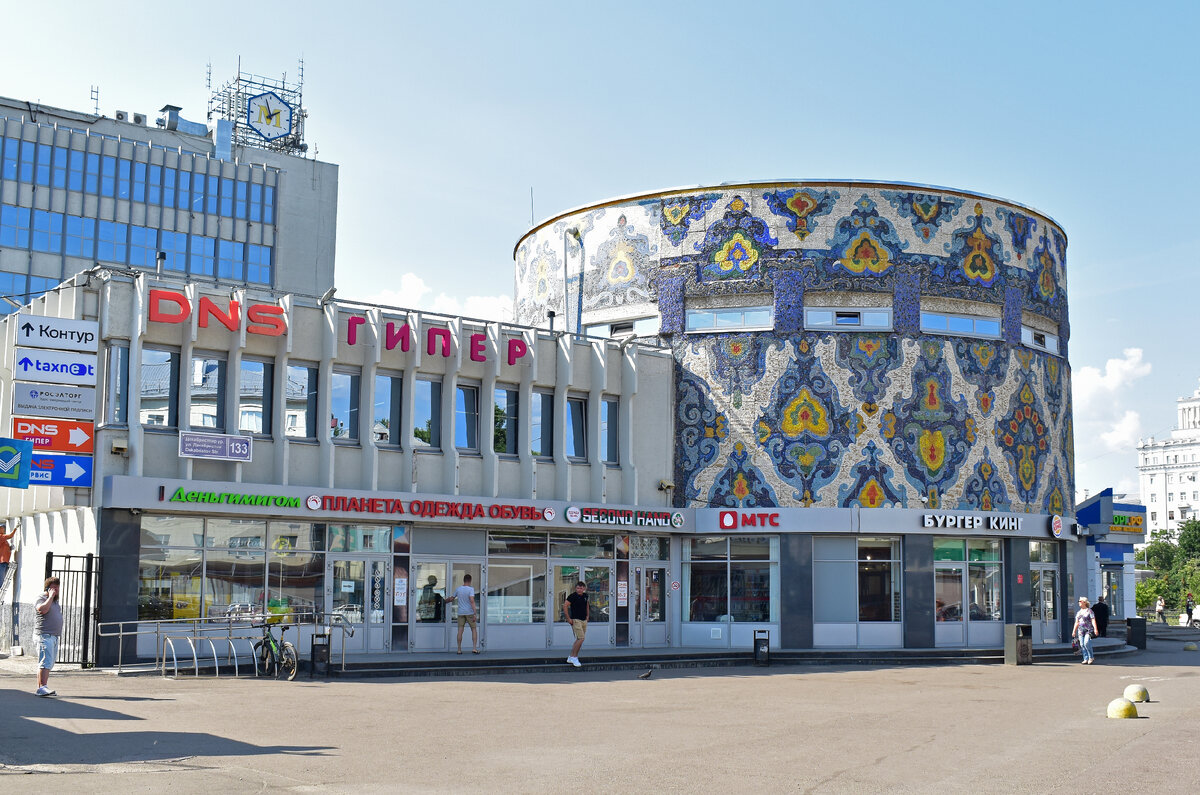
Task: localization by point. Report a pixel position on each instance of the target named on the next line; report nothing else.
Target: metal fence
(79, 597)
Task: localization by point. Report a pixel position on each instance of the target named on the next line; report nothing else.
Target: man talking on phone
(47, 629)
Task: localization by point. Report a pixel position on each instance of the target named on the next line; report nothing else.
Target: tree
(500, 437)
(1148, 592)
(1159, 555)
(1189, 539)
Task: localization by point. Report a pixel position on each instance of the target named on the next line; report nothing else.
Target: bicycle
(276, 658)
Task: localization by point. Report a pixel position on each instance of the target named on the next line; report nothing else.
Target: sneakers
(45, 691)
(575, 661)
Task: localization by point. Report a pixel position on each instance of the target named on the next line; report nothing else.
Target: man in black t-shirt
(1101, 611)
(575, 609)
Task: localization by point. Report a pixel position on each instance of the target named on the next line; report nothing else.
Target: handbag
(1075, 646)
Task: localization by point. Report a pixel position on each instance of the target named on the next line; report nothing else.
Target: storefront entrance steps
(515, 663)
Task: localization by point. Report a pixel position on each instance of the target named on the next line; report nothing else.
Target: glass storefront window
(708, 592)
(984, 590)
(296, 582)
(649, 548)
(582, 546)
(949, 549)
(502, 543)
(233, 582)
(706, 549)
(287, 536)
(726, 586)
(856, 579)
(750, 548)
(172, 531)
(983, 549)
(750, 591)
(246, 534)
(169, 583)
(516, 592)
(947, 593)
(359, 538)
(1043, 552)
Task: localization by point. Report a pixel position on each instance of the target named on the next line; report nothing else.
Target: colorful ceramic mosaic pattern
(793, 417)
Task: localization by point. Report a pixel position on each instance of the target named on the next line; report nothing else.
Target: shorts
(47, 646)
(580, 628)
(464, 619)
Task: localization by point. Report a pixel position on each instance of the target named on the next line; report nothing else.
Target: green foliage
(1148, 592)
(1159, 555)
(1189, 539)
(1177, 564)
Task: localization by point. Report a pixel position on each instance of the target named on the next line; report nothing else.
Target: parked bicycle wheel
(266, 663)
(287, 662)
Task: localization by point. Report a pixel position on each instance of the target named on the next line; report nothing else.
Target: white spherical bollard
(1137, 693)
(1121, 708)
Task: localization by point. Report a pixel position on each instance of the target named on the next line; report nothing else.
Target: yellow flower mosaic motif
(675, 212)
(741, 489)
(804, 415)
(738, 253)
(871, 495)
(932, 446)
(866, 255)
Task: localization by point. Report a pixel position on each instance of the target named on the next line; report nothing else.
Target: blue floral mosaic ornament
(620, 273)
(1044, 287)
(868, 358)
(1021, 435)
(734, 245)
(1020, 228)
(872, 486)
(676, 213)
(975, 255)
(805, 429)
(740, 484)
(984, 365)
(699, 431)
(864, 242)
(925, 211)
(738, 362)
(984, 490)
(801, 207)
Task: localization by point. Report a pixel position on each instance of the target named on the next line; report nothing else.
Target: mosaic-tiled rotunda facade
(839, 343)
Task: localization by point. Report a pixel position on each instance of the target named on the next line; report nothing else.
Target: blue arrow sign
(47, 469)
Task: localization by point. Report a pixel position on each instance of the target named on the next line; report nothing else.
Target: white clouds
(1090, 385)
(1124, 432)
(414, 293)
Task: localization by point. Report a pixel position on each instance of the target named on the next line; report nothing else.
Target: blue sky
(443, 116)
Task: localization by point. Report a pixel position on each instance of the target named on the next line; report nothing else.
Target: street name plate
(218, 446)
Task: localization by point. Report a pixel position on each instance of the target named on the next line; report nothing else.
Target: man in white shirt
(464, 597)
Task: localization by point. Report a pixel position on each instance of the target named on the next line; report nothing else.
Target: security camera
(665, 485)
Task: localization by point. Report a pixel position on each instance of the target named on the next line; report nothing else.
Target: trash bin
(319, 653)
(762, 647)
(1135, 632)
(1018, 644)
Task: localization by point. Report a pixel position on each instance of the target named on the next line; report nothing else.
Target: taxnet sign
(734, 520)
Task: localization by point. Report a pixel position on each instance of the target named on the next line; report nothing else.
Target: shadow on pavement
(25, 738)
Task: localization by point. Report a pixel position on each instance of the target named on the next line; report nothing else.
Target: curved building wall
(787, 411)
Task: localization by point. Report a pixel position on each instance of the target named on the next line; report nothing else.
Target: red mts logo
(732, 520)
(169, 306)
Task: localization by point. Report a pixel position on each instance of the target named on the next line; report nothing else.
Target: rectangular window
(256, 391)
(12, 155)
(108, 175)
(230, 259)
(210, 203)
(386, 419)
(504, 436)
(143, 245)
(516, 591)
(14, 226)
(258, 264)
(202, 256)
(610, 431)
(466, 418)
(45, 154)
(75, 170)
(185, 188)
(256, 202)
(576, 440)
(856, 579)
(226, 197)
(168, 190)
(110, 246)
(427, 414)
(139, 182)
(343, 406)
(47, 231)
(964, 325)
(541, 424)
(268, 204)
(174, 245)
(118, 384)
(92, 181)
(154, 194)
(159, 391)
(729, 579)
(81, 237)
(300, 402)
(28, 158)
(749, 317)
(61, 158)
(240, 204)
(123, 169)
(207, 388)
(848, 318)
(1032, 338)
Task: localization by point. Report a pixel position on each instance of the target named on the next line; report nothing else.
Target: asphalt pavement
(948, 728)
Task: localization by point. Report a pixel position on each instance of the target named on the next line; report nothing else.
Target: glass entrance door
(949, 617)
(435, 619)
(1043, 583)
(599, 581)
(650, 605)
(356, 598)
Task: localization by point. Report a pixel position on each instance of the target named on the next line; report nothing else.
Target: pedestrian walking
(464, 597)
(1085, 627)
(577, 610)
(1191, 605)
(1102, 612)
(47, 629)
(1160, 609)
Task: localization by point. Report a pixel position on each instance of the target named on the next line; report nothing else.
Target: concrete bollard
(1137, 693)
(1121, 708)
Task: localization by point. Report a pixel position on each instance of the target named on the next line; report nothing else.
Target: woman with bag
(1084, 629)
(1160, 609)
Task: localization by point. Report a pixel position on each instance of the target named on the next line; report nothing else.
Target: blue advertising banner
(15, 459)
(50, 469)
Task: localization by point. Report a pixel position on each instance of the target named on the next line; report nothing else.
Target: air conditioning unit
(139, 118)
(122, 115)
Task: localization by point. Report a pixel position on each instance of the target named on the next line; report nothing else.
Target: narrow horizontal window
(848, 318)
(965, 325)
(747, 317)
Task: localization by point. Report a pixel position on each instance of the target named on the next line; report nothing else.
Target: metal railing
(206, 633)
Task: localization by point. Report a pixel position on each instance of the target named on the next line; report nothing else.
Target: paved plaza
(983, 728)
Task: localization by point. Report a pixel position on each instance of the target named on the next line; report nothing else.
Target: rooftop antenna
(208, 85)
(96, 98)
